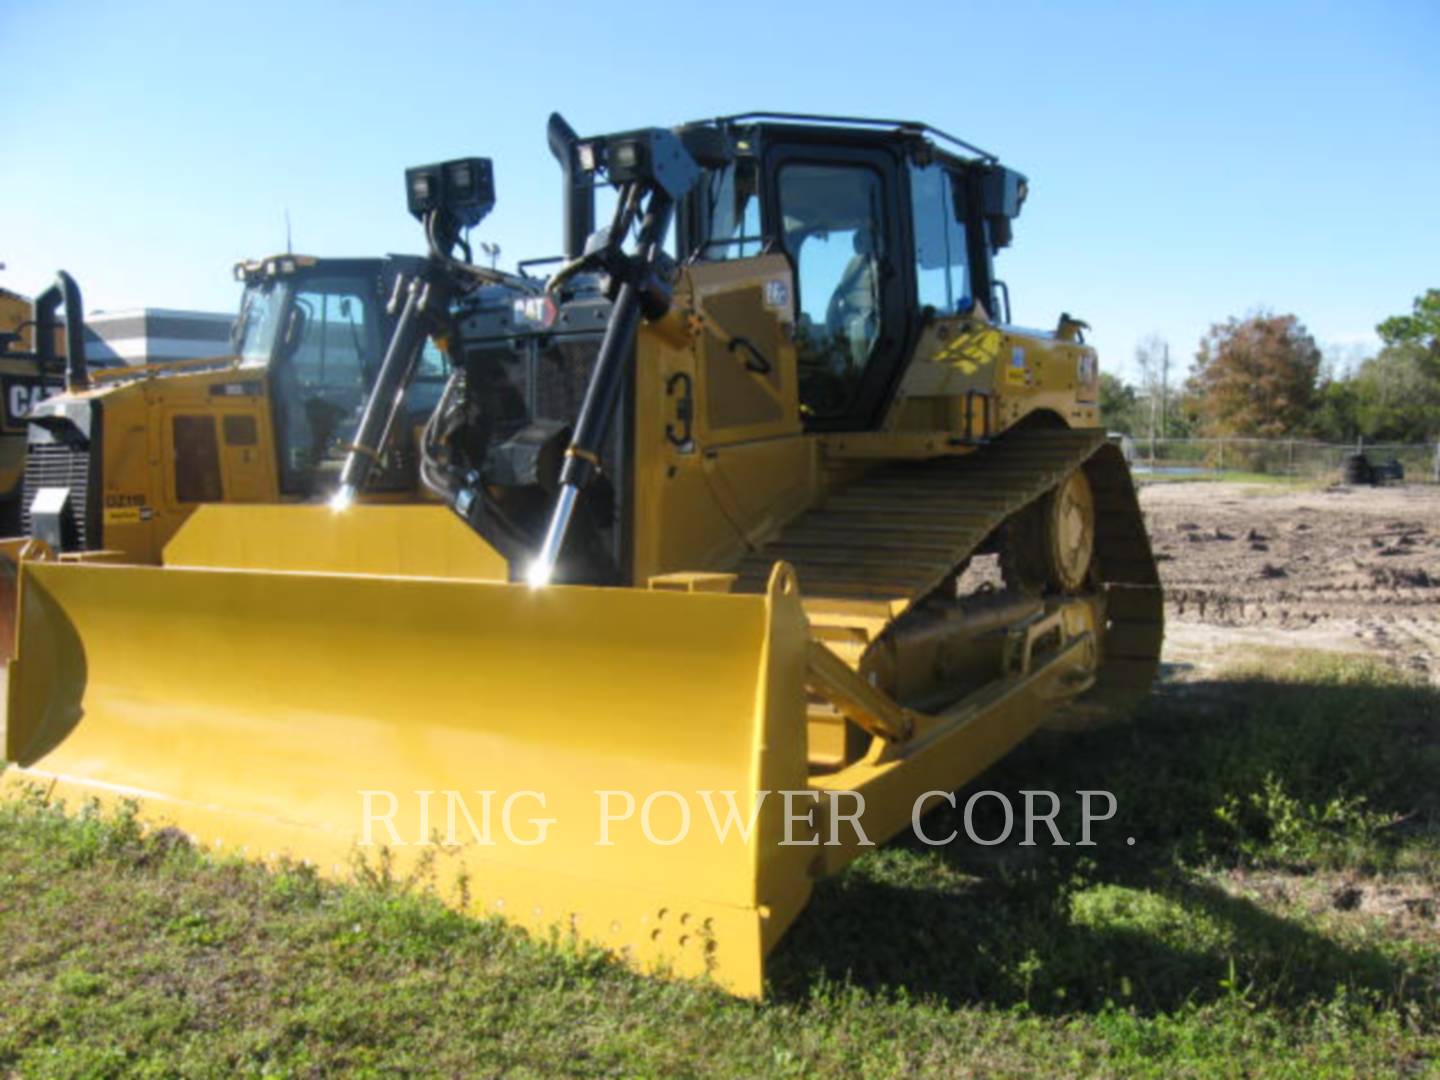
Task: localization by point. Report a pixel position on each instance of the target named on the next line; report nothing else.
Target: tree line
(1264, 376)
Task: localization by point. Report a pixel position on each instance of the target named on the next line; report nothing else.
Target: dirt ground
(1345, 569)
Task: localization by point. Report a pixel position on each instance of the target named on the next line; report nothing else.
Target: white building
(154, 335)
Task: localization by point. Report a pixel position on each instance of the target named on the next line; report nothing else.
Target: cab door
(319, 380)
(836, 212)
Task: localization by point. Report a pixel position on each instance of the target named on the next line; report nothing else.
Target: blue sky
(1187, 162)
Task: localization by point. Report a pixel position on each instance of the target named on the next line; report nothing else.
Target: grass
(1271, 919)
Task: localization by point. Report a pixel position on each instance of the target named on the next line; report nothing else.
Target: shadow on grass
(1302, 771)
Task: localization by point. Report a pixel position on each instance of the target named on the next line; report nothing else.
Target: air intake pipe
(579, 195)
(67, 294)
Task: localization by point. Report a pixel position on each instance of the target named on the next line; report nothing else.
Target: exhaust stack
(579, 198)
(67, 294)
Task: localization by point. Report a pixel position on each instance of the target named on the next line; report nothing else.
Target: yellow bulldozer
(25, 380)
(129, 452)
(691, 622)
(119, 457)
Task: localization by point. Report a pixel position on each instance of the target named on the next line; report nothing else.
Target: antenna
(289, 250)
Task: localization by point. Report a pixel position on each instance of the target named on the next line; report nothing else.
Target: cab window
(261, 309)
(735, 231)
(833, 228)
(432, 364)
(431, 372)
(333, 348)
(941, 264)
(321, 382)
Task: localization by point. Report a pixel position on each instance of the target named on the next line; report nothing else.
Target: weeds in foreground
(1213, 945)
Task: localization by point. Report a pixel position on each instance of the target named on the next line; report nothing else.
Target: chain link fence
(1300, 458)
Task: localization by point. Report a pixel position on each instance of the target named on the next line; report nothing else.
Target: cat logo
(23, 393)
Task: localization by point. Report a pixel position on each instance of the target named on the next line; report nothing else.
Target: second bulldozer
(696, 622)
(132, 451)
(25, 380)
(119, 457)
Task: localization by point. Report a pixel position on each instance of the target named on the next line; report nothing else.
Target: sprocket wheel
(1049, 545)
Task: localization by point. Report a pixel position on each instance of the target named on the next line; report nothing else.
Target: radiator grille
(562, 375)
(58, 465)
(539, 381)
(511, 382)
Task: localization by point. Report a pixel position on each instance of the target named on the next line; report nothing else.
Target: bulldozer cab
(883, 229)
(319, 328)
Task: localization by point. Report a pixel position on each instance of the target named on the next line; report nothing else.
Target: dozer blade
(303, 714)
(12, 551)
(9, 575)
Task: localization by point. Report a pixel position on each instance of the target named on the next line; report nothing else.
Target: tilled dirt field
(1345, 569)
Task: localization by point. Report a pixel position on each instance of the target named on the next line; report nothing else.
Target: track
(904, 530)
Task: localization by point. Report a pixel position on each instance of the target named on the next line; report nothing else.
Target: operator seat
(852, 317)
